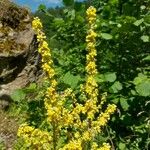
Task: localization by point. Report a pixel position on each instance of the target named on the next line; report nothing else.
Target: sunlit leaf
(110, 77)
(143, 88)
(116, 87)
(145, 38)
(138, 22)
(18, 95)
(124, 104)
(106, 36)
(122, 146)
(71, 80)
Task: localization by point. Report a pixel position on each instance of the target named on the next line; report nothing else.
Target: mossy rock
(13, 21)
(13, 15)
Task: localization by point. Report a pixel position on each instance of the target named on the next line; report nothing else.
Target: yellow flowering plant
(76, 127)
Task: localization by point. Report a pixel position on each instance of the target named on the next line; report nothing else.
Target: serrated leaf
(124, 104)
(145, 38)
(138, 22)
(106, 36)
(116, 87)
(110, 77)
(18, 95)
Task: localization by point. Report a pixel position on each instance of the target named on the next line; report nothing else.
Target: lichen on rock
(18, 47)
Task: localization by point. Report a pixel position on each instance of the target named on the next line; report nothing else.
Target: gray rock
(18, 68)
(1, 34)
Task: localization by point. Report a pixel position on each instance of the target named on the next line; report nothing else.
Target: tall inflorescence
(94, 117)
(78, 124)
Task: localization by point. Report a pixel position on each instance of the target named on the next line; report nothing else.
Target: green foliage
(106, 36)
(18, 95)
(142, 85)
(123, 60)
(71, 80)
(68, 2)
(117, 86)
(30, 101)
(145, 38)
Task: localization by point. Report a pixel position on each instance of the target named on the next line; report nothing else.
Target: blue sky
(33, 4)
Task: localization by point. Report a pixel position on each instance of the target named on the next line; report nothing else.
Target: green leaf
(79, 18)
(100, 78)
(122, 146)
(116, 87)
(110, 77)
(71, 80)
(58, 21)
(143, 88)
(147, 58)
(31, 88)
(133, 92)
(72, 14)
(106, 36)
(18, 95)
(142, 85)
(124, 104)
(115, 100)
(139, 79)
(138, 22)
(145, 38)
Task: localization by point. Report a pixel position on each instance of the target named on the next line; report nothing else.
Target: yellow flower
(91, 14)
(86, 136)
(36, 24)
(105, 146)
(73, 145)
(94, 146)
(35, 137)
(80, 118)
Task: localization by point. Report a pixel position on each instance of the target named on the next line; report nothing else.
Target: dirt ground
(8, 130)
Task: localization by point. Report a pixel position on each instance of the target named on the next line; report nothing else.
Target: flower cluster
(91, 85)
(47, 65)
(79, 122)
(91, 15)
(30, 134)
(105, 146)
